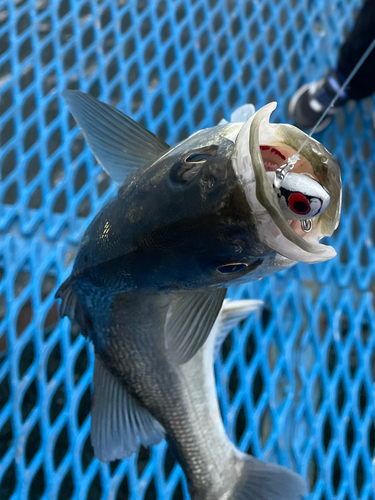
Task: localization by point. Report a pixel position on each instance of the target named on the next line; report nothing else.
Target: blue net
(296, 381)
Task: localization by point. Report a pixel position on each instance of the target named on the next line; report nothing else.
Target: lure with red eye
(299, 204)
(300, 196)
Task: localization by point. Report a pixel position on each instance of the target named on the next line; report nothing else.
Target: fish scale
(177, 395)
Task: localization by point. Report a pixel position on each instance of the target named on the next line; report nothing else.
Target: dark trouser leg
(363, 83)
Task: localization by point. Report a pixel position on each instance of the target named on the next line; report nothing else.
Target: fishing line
(341, 89)
(282, 171)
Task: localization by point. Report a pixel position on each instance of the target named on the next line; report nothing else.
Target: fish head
(224, 211)
(199, 228)
(206, 211)
(311, 191)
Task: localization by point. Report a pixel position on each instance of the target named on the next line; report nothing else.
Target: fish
(119, 429)
(189, 417)
(152, 270)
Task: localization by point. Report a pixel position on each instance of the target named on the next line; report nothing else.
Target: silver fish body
(151, 274)
(183, 400)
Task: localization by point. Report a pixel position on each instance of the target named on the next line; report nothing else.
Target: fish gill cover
(295, 383)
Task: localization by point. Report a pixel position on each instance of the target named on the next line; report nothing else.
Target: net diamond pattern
(295, 382)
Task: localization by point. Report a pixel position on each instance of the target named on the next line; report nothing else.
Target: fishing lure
(300, 196)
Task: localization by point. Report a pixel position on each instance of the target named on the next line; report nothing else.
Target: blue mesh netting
(296, 382)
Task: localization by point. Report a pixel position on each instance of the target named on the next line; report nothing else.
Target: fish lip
(273, 228)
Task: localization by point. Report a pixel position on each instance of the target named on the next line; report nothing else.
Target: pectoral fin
(119, 143)
(190, 319)
(242, 114)
(118, 423)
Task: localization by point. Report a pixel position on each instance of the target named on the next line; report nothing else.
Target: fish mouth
(263, 147)
(272, 157)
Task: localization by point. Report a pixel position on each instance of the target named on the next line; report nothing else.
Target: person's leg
(359, 39)
(311, 100)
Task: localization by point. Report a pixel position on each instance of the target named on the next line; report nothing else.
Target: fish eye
(234, 267)
(299, 204)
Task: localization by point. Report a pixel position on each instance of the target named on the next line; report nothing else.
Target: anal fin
(119, 424)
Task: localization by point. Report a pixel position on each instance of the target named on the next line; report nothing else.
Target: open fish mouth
(272, 157)
(262, 147)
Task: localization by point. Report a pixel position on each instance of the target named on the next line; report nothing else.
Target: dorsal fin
(119, 143)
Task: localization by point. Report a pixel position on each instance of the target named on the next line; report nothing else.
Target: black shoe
(311, 100)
